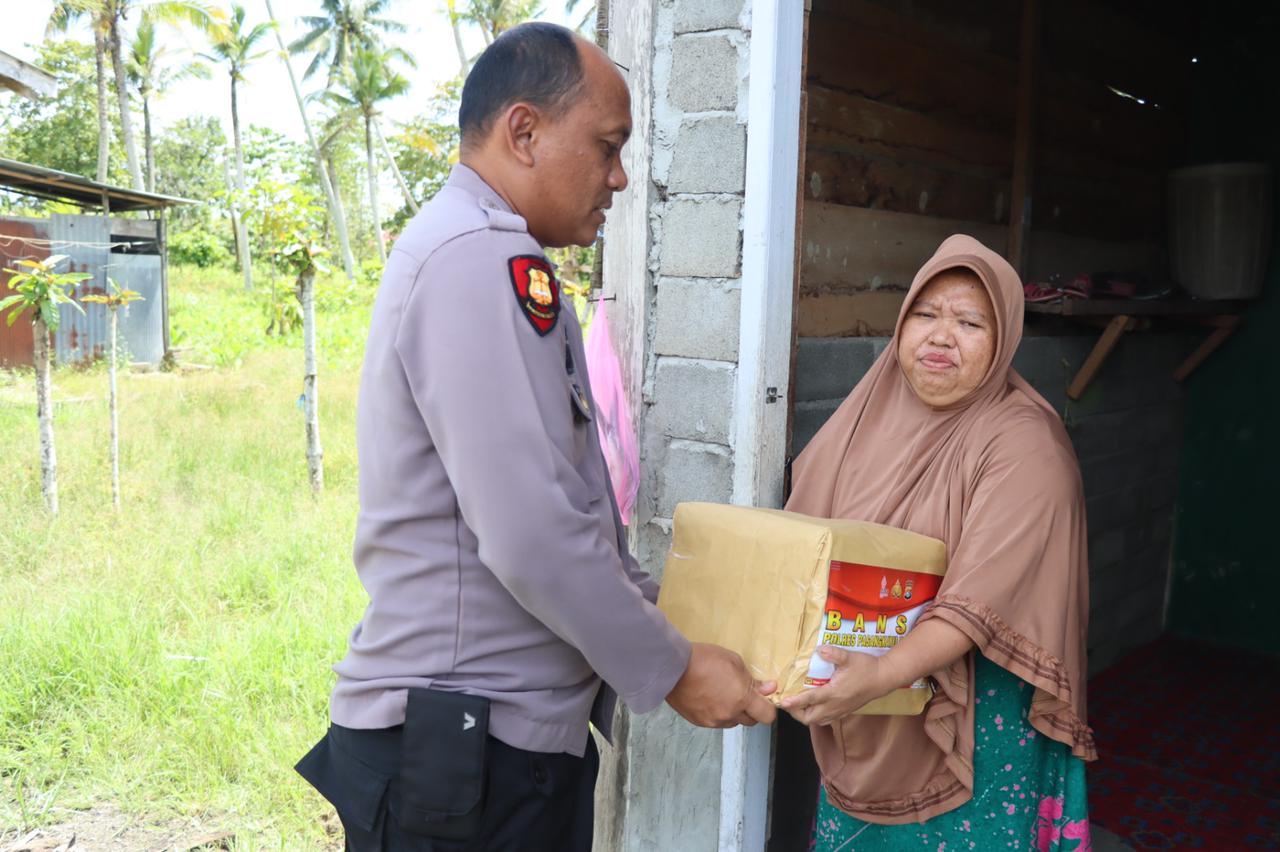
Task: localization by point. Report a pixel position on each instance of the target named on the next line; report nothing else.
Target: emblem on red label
(536, 291)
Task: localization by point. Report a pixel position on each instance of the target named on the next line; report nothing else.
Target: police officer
(505, 611)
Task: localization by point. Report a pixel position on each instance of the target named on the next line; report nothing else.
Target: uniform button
(539, 774)
(487, 204)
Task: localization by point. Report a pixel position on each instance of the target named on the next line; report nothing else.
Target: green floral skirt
(1029, 791)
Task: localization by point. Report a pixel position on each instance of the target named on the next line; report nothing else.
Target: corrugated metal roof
(63, 186)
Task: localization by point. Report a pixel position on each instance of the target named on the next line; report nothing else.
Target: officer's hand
(717, 691)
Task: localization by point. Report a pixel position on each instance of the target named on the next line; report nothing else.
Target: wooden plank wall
(910, 135)
(1104, 157)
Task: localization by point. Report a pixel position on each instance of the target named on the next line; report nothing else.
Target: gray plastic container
(1220, 222)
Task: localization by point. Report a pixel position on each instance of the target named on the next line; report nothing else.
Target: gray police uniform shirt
(488, 539)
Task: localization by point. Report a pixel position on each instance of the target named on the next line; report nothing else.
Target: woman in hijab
(943, 438)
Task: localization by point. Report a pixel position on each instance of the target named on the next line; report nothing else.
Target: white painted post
(744, 788)
(764, 350)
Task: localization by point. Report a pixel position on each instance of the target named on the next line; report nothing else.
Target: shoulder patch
(536, 290)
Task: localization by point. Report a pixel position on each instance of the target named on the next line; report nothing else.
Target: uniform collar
(468, 180)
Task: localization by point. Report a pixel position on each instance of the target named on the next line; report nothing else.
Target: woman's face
(948, 338)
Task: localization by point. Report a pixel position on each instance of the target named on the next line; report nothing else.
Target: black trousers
(534, 802)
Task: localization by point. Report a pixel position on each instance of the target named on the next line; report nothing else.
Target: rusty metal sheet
(86, 241)
(16, 340)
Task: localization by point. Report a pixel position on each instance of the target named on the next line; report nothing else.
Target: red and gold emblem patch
(536, 290)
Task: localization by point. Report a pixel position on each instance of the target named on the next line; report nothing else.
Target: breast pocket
(586, 453)
(580, 410)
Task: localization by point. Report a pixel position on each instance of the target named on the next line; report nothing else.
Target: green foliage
(284, 311)
(370, 273)
(344, 27)
(60, 132)
(176, 664)
(369, 80)
(138, 659)
(188, 165)
(426, 148)
(495, 17)
(214, 321)
(151, 66)
(199, 248)
(288, 220)
(233, 45)
(342, 146)
(276, 168)
(105, 14)
(575, 270)
(116, 296)
(37, 288)
(271, 156)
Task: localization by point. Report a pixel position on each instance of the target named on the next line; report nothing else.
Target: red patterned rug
(1189, 743)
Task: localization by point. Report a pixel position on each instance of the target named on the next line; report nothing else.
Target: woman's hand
(861, 678)
(858, 679)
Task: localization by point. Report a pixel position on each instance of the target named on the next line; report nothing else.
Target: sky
(267, 99)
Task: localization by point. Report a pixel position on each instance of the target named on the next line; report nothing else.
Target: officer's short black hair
(537, 63)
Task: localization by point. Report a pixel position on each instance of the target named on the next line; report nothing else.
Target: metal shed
(130, 251)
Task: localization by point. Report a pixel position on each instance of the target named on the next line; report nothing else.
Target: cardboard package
(776, 585)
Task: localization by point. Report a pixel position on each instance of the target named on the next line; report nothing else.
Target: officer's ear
(520, 122)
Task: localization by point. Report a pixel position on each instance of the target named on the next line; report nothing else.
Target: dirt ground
(106, 829)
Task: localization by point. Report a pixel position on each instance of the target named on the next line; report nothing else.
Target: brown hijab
(995, 477)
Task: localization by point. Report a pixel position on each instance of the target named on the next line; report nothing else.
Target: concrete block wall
(699, 154)
(685, 317)
(1127, 432)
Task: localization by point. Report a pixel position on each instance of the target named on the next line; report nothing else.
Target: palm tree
(588, 18)
(332, 138)
(331, 194)
(116, 10)
(395, 168)
(65, 12)
(152, 75)
(455, 22)
(235, 47)
(494, 17)
(368, 82)
(345, 27)
(196, 13)
(107, 19)
(344, 119)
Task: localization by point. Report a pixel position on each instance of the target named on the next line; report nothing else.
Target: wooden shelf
(1139, 307)
(1119, 316)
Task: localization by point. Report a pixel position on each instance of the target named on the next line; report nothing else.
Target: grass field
(171, 661)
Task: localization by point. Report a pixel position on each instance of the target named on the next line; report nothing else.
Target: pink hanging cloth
(613, 417)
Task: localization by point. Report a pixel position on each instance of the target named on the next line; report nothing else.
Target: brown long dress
(996, 478)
